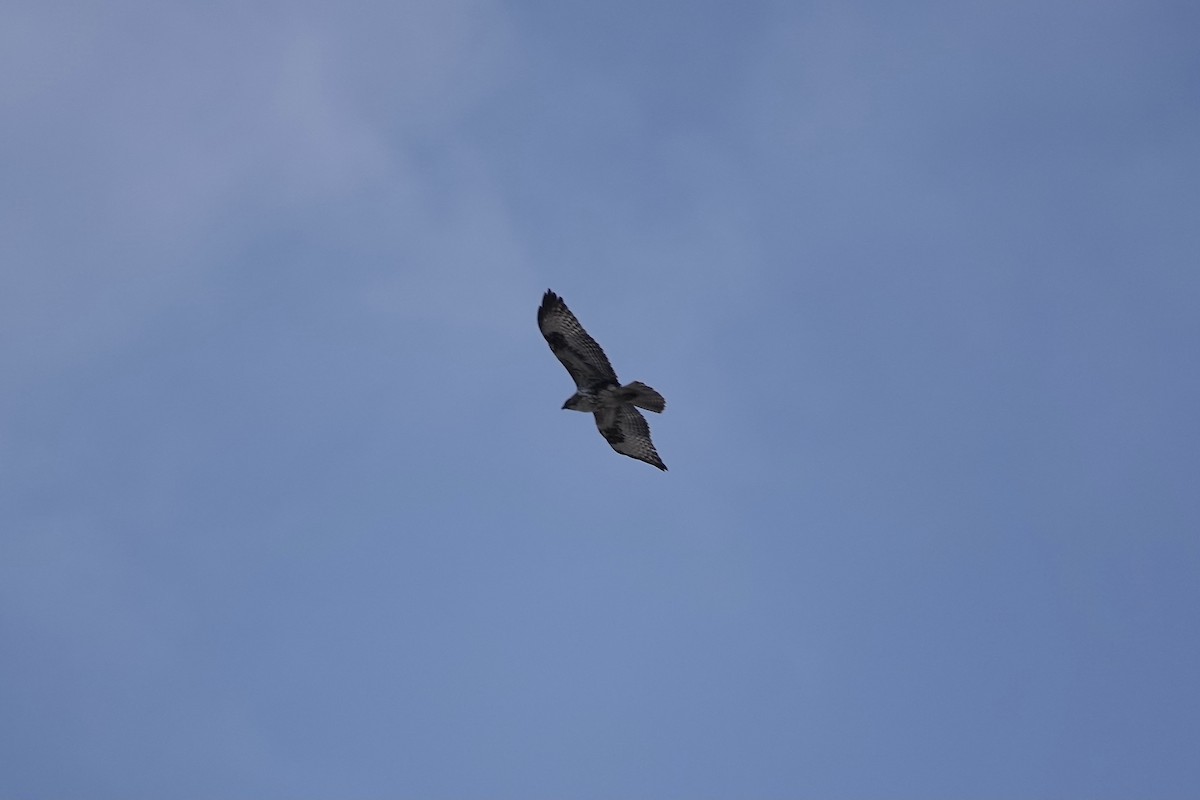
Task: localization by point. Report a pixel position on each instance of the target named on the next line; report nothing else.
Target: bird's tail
(643, 396)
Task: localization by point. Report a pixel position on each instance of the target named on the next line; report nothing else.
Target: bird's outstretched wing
(578, 351)
(626, 430)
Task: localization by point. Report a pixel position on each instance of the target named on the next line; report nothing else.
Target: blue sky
(289, 508)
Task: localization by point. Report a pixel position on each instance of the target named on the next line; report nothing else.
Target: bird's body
(597, 389)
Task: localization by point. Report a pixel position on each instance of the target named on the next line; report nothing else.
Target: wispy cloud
(170, 128)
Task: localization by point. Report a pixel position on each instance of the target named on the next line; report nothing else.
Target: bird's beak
(564, 408)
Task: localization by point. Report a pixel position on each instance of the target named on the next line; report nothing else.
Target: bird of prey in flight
(599, 391)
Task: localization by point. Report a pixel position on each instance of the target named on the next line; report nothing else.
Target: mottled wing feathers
(621, 425)
(577, 351)
(627, 432)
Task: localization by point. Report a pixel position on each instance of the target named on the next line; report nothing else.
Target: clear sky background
(289, 508)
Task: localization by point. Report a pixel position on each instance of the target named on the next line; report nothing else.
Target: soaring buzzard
(599, 390)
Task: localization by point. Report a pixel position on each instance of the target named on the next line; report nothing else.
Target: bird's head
(574, 403)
